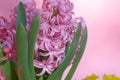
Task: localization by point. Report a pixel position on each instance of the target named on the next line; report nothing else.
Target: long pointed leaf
(1, 55)
(13, 70)
(21, 15)
(31, 43)
(67, 47)
(41, 78)
(7, 68)
(79, 56)
(22, 53)
(70, 53)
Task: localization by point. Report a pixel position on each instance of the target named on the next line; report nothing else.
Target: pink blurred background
(102, 54)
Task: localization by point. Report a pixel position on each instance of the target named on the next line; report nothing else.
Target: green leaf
(6, 70)
(22, 53)
(1, 55)
(67, 47)
(91, 77)
(13, 70)
(110, 77)
(70, 53)
(32, 35)
(21, 15)
(79, 56)
(7, 67)
(41, 78)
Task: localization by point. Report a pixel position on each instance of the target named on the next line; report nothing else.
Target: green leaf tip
(21, 15)
(32, 35)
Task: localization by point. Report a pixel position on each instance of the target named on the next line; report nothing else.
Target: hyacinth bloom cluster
(57, 28)
(7, 40)
(8, 30)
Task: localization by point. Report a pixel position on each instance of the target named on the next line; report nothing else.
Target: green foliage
(7, 67)
(21, 15)
(22, 53)
(25, 43)
(41, 78)
(67, 47)
(32, 35)
(79, 56)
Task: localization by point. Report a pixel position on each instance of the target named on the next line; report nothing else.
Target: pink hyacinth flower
(7, 40)
(57, 27)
